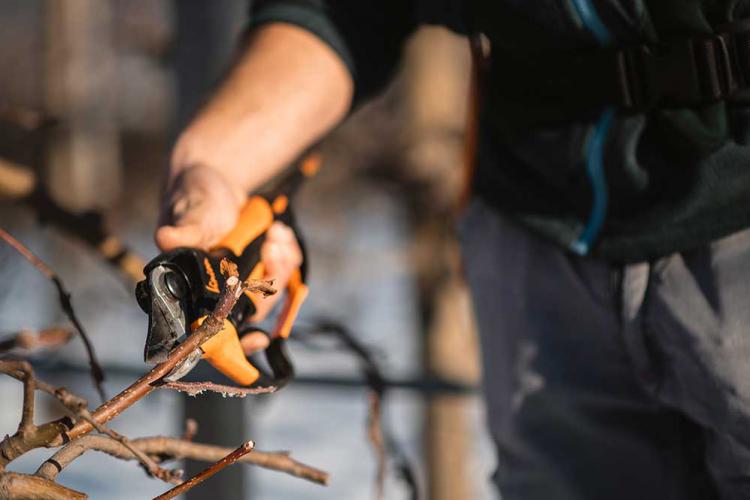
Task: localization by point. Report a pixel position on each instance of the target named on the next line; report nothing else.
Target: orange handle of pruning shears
(223, 350)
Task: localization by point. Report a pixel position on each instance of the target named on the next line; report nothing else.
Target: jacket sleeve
(366, 34)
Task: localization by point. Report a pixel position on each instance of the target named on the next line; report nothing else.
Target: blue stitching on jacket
(595, 171)
(586, 11)
(596, 142)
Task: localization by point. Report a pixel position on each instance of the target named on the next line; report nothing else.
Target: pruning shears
(182, 287)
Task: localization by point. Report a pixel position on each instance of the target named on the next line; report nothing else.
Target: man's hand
(286, 90)
(200, 208)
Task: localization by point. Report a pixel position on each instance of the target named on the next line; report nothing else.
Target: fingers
(201, 208)
(281, 256)
(254, 342)
(281, 253)
(170, 237)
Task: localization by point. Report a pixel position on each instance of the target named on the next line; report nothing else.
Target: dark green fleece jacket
(668, 179)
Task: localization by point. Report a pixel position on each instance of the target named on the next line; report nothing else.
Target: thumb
(170, 237)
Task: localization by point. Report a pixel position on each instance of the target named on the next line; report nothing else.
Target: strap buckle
(685, 72)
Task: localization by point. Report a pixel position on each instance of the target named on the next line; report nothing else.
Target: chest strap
(684, 72)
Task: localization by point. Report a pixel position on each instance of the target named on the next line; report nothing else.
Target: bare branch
(97, 374)
(152, 468)
(173, 448)
(240, 452)
(63, 430)
(25, 118)
(191, 429)
(375, 435)
(14, 485)
(27, 340)
(263, 287)
(212, 325)
(196, 388)
(21, 370)
(30, 436)
(16, 181)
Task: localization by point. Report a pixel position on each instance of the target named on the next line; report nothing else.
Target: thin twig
(375, 435)
(30, 436)
(384, 445)
(22, 371)
(58, 432)
(25, 118)
(212, 325)
(97, 374)
(191, 429)
(177, 449)
(15, 485)
(240, 452)
(152, 468)
(27, 340)
(196, 388)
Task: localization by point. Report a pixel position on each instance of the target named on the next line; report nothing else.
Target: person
(606, 245)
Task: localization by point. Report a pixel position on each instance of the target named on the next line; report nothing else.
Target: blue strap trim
(595, 171)
(594, 153)
(592, 21)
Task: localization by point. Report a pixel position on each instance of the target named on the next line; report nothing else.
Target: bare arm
(287, 89)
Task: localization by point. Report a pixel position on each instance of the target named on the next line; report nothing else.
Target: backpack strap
(683, 72)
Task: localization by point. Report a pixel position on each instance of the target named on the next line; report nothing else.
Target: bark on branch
(64, 430)
(14, 485)
(26, 340)
(240, 452)
(147, 383)
(97, 374)
(173, 448)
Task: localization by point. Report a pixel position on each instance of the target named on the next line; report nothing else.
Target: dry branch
(29, 436)
(196, 388)
(26, 340)
(148, 451)
(191, 429)
(149, 464)
(63, 430)
(97, 374)
(177, 449)
(213, 324)
(14, 485)
(206, 473)
(23, 117)
(375, 435)
(16, 181)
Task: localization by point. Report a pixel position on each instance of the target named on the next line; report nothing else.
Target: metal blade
(166, 320)
(184, 367)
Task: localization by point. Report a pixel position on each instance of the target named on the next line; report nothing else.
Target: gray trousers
(609, 382)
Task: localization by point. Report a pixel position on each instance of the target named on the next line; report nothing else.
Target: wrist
(191, 156)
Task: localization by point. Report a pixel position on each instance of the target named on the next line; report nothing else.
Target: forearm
(286, 90)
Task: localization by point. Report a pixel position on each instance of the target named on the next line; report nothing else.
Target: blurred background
(92, 93)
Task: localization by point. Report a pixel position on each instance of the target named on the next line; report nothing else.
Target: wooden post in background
(436, 73)
(81, 92)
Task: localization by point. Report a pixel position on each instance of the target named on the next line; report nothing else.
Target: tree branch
(50, 338)
(97, 374)
(63, 430)
(150, 466)
(212, 325)
(375, 435)
(196, 388)
(14, 485)
(177, 449)
(240, 452)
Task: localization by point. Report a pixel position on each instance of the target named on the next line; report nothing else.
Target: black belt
(688, 72)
